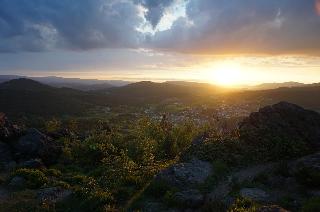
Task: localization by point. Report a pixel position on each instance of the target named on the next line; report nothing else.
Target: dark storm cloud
(35, 25)
(210, 26)
(247, 26)
(155, 9)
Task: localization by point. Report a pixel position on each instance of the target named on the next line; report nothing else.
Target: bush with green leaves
(243, 205)
(35, 178)
(52, 172)
(227, 150)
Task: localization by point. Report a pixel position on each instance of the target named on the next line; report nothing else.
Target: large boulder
(189, 198)
(5, 153)
(4, 194)
(18, 182)
(6, 159)
(187, 174)
(307, 170)
(272, 208)
(255, 194)
(32, 164)
(34, 144)
(53, 195)
(7, 129)
(286, 124)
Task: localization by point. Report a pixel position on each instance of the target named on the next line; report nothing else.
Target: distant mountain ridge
(76, 83)
(268, 86)
(24, 84)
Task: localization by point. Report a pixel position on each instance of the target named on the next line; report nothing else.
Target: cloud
(155, 9)
(209, 26)
(37, 25)
(247, 26)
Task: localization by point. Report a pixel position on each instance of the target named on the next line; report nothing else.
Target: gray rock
(37, 145)
(284, 121)
(8, 130)
(311, 162)
(10, 166)
(53, 195)
(4, 194)
(272, 208)
(154, 207)
(220, 192)
(18, 182)
(185, 175)
(32, 164)
(189, 198)
(306, 170)
(5, 154)
(31, 143)
(255, 194)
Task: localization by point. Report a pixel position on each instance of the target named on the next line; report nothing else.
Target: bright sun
(226, 74)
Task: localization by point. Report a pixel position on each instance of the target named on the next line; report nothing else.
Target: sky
(227, 42)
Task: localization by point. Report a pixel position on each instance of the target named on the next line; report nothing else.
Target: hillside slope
(26, 96)
(308, 97)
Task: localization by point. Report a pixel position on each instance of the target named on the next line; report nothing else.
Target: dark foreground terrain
(271, 162)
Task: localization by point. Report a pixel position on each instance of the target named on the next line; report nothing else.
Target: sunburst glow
(226, 73)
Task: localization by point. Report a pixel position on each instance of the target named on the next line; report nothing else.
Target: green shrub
(61, 184)
(312, 205)
(52, 172)
(226, 150)
(82, 181)
(23, 201)
(53, 125)
(35, 178)
(243, 205)
(83, 200)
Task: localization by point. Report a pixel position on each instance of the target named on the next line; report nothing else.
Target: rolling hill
(307, 96)
(27, 96)
(151, 92)
(75, 83)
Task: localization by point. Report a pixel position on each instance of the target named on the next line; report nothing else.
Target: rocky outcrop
(283, 121)
(186, 178)
(28, 148)
(255, 194)
(187, 174)
(5, 153)
(34, 144)
(272, 208)
(53, 195)
(189, 198)
(32, 164)
(4, 194)
(17, 182)
(307, 170)
(8, 130)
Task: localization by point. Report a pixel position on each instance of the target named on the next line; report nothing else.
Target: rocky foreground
(273, 165)
(27, 150)
(267, 182)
